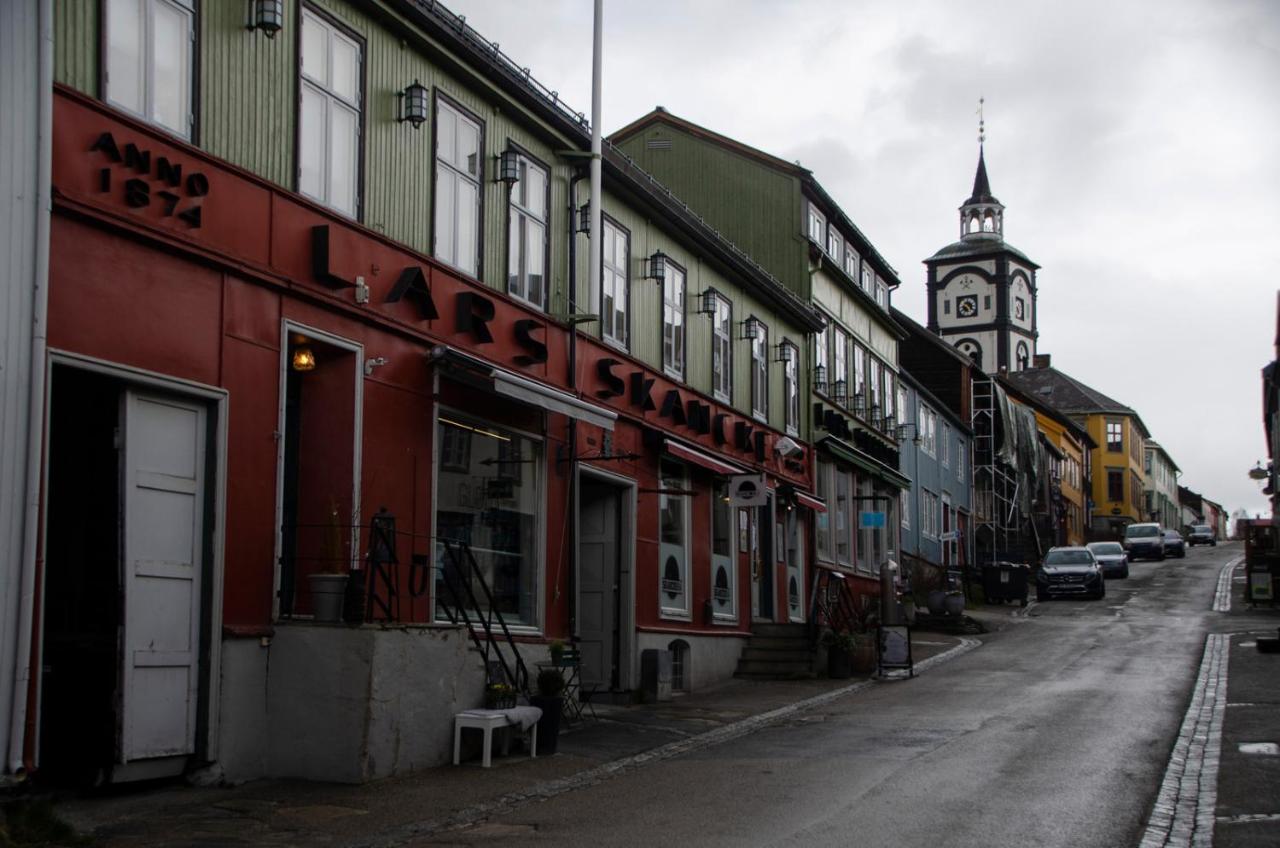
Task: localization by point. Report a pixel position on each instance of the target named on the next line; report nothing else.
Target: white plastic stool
(486, 721)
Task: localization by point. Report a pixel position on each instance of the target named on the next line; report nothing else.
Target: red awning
(704, 460)
(810, 501)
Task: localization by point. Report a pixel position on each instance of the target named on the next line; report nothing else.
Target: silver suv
(1202, 534)
(1144, 540)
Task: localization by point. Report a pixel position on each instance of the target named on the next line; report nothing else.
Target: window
(835, 244)
(458, 175)
(673, 551)
(859, 391)
(1135, 491)
(874, 376)
(149, 59)
(817, 225)
(1115, 485)
(929, 504)
(679, 649)
(927, 425)
(614, 293)
(900, 410)
(1115, 436)
(821, 379)
(822, 520)
(867, 284)
(1147, 462)
(791, 388)
(882, 294)
(484, 502)
(724, 579)
(945, 446)
(962, 460)
(870, 540)
(904, 508)
(850, 262)
(673, 320)
(1023, 356)
(329, 123)
(760, 372)
(840, 367)
(527, 233)
(722, 351)
(890, 398)
(844, 518)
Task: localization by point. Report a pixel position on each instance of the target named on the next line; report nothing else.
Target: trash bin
(655, 675)
(1005, 581)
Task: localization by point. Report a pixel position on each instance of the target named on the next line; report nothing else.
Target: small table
(486, 721)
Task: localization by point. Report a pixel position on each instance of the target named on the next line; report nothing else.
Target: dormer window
(817, 226)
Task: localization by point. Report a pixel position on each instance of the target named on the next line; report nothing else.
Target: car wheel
(1213, 544)
(1124, 575)
(1160, 558)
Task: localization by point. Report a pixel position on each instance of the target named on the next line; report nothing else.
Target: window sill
(675, 615)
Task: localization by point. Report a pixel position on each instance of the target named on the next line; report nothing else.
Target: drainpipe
(571, 526)
(22, 723)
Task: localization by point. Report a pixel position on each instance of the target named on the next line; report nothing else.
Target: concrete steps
(776, 652)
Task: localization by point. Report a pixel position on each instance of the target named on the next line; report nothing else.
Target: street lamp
(1257, 472)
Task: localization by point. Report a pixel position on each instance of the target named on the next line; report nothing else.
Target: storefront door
(599, 579)
(763, 570)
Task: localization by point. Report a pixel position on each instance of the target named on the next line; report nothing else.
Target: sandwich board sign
(893, 648)
(748, 490)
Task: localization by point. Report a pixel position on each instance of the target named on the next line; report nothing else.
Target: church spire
(981, 216)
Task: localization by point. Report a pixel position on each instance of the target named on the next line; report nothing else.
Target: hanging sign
(871, 520)
(747, 490)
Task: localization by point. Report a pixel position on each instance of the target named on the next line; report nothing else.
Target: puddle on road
(1267, 748)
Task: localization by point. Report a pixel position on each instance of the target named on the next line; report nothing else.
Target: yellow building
(1071, 446)
(1116, 463)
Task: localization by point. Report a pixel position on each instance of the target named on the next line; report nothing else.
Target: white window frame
(866, 281)
(453, 172)
(719, 501)
(817, 226)
(944, 448)
(824, 548)
(834, 245)
(674, 320)
(927, 425)
(760, 371)
(327, 95)
(524, 221)
(147, 64)
(929, 504)
(821, 340)
(840, 364)
(665, 607)
(904, 507)
(615, 278)
(722, 344)
(791, 388)
(851, 260)
(858, 385)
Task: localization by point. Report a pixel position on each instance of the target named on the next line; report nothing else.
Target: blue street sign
(871, 520)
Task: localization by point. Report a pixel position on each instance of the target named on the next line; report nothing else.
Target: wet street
(1057, 732)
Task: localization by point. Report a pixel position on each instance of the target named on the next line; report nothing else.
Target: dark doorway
(599, 582)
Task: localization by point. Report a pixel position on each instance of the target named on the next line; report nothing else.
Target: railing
(836, 606)
(459, 576)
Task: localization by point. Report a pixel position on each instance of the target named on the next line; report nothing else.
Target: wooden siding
(75, 54)
(751, 204)
(847, 309)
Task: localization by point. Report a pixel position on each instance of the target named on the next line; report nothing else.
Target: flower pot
(936, 601)
(327, 593)
(954, 603)
(549, 724)
(838, 664)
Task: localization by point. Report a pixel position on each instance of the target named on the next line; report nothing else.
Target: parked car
(1174, 545)
(1202, 534)
(1070, 571)
(1112, 558)
(1144, 540)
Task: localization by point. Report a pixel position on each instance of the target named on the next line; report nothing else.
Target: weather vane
(982, 123)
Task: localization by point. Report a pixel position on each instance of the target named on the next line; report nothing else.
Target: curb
(1222, 597)
(598, 774)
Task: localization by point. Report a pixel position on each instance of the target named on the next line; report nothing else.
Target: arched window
(1024, 356)
(679, 665)
(989, 223)
(973, 223)
(971, 349)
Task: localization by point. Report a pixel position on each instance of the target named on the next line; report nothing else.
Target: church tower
(982, 291)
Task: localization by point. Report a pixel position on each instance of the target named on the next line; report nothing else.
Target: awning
(810, 501)
(528, 391)
(843, 450)
(704, 460)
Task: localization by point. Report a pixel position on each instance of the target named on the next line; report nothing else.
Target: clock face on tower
(967, 305)
(1019, 309)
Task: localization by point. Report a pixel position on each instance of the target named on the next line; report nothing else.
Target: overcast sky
(1135, 147)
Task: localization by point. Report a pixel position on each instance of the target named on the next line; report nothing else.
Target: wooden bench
(486, 721)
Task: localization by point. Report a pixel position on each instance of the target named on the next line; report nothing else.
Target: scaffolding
(1000, 531)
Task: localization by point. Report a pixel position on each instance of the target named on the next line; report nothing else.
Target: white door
(598, 584)
(162, 470)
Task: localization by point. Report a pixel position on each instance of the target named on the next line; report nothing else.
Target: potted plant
(329, 584)
(840, 647)
(556, 649)
(550, 699)
(499, 696)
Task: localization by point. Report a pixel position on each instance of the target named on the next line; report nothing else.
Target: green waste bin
(1006, 581)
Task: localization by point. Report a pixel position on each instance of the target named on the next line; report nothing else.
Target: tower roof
(981, 185)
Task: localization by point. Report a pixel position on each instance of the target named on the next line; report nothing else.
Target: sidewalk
(287, 812)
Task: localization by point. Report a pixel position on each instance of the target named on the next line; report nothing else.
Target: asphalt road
(1056, 732)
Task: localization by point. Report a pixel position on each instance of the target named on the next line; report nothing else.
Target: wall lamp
(751, 329)
(1257, 472)
(903, 429)
(657, 266)
(820, 378)
(584, 218)
(508, 167)
(304, 359)
(839, 390)
(707, 302)
(266, 15)
(784, 352)
(413, 104)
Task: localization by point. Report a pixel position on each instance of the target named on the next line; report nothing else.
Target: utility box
(655, 674)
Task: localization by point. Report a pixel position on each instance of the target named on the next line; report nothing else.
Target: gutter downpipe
(572, 440)
(21, 722)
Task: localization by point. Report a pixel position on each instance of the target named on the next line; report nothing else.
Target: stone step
(775, 631)
(778, 644)
(803, 655)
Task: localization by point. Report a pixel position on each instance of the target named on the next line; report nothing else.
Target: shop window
(722, 351)
(679, 665)
(673, 320)
(724, 577)
(329, 118)
(489, 499)
(673, 548)
(149, 60)
(869, 539)
(844, 518)
(459, 139)
(318, 508)
(822, 520)
(527, 233)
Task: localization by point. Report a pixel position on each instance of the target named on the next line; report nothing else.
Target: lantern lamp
(266, 15)
(783, 352)
(707, 302)
(657, 266)
(820, 378)
(509, 167)
(751, 329)
(840, 389)
(584, 218)
(304, 359)
(413, 104)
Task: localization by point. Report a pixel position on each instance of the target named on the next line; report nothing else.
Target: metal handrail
(467, 571)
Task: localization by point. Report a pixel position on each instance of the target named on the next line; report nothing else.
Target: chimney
(1040, 360)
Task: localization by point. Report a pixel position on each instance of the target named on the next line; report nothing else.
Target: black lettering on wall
(169, 172)
(673, 408)
(761, 443)
(107, 144)
(139, 160)
(717, 429)
(412, 284)
(742, 436)
(641, 387)
(613, 384)
(536, 350)
(699, 415)
(320, 258)
(137, 193)
(473, 315)
(197, 185)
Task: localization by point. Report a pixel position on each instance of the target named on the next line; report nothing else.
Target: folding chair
(576, 697)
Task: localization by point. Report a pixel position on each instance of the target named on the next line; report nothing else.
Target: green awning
(842, 450)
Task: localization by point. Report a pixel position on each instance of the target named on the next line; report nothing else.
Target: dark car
(1112, 558)
(1202, 534)
(1144, 540)
(1174, 545)
(1070, 572)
